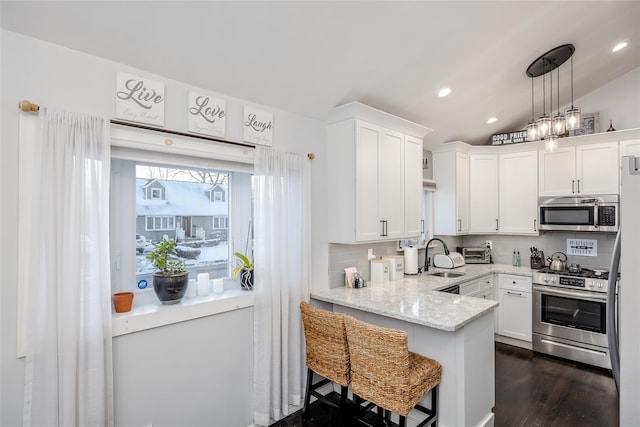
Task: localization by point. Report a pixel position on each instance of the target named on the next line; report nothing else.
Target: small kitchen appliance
(585, 213)
(452, 260)
(479, 255)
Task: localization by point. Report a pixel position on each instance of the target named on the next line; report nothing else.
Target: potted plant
(171, 280)
(244, 267)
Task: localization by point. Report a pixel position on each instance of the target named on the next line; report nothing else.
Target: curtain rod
(27, 107)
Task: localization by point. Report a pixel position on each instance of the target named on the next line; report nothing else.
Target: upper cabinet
(503, 193)
(375, 177)
(630, 147)
(483, 193)
(451, 198)
(577, 170)
(518, 193)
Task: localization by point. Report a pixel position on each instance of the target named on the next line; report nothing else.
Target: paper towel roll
(410, 260)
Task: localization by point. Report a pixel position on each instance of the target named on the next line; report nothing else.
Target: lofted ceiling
(308, 57)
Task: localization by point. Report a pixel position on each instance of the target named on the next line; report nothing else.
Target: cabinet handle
(578, 186)
(422, 226)
(572, 186)
(514, 293)
(496, 224)
(382, 221)
(459, 225)
(535, 225)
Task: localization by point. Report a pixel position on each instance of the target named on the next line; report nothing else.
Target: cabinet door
(412, 186)
(630, 148)
(558, 172)
(390, 184)
(519, 193)
(483, 193)
(514, 314)
(597, 169)
(368, 139)
(462, 192)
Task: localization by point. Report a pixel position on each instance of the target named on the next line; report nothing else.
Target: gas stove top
(593, 280)
(583, 272)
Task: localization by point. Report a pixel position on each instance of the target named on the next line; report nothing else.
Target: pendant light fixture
(572, 114)
(558, 124)
(543, 65)
(544, 122)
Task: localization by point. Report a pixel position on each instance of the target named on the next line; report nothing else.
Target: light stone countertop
(415, 298)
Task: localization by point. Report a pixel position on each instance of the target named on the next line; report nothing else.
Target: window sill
(155, 315)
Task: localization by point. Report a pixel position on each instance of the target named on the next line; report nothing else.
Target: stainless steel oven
(569, 316)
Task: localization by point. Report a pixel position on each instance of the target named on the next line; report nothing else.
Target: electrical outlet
(370, 254)
(489, 244)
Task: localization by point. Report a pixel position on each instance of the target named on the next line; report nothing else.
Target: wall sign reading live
(139, 99)
(509, 137)
(207, 115)
(258, 126)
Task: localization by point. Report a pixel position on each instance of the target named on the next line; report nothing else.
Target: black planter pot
(246, 280)
(170, 289)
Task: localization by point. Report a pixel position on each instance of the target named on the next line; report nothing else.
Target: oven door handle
(561, 292)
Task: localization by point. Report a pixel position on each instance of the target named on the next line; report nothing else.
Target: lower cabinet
(481, 288)
(515, 310)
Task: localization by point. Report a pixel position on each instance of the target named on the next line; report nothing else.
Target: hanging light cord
(572, 82)
(533, 117)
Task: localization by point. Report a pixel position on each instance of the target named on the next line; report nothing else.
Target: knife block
(537, 261)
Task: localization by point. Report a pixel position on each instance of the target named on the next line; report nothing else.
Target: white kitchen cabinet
(515, 309)
(630, 148)
(518, 204)
(375, 182)
(580, 169)
(471, 288)
(483, 193)
(451, 198)
(481, 288)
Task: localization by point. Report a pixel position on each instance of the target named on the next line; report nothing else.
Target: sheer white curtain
(281, 281)
(68, 371)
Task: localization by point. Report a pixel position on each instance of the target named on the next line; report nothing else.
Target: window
(156, 193)
(160, 223)
(180, 208)
(220, 222)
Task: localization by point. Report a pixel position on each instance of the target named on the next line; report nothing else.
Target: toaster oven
(476, 255)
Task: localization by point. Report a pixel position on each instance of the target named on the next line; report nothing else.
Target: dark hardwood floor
(531, 390)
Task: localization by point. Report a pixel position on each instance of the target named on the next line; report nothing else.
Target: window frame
(149, 146)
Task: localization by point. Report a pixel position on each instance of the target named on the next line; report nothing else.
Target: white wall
(60, 78)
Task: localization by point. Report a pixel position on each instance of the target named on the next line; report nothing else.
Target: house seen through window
(180, 208)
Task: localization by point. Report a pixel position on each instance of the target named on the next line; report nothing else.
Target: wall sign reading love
(139, 99)
(207, 115)
(258, 126)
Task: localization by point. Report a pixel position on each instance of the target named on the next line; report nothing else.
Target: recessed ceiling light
(492, 120)
(619, 46)
(444, 92)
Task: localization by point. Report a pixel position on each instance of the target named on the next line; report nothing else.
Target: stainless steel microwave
(584, 213)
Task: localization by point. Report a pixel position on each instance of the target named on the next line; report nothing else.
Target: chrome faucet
(426, 252)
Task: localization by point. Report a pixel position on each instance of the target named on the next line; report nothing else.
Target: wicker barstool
(327, 354)
(387, 374)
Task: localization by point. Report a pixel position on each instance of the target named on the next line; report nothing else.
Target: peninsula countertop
(415, 298)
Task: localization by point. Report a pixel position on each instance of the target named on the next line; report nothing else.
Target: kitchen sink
(447, 274)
